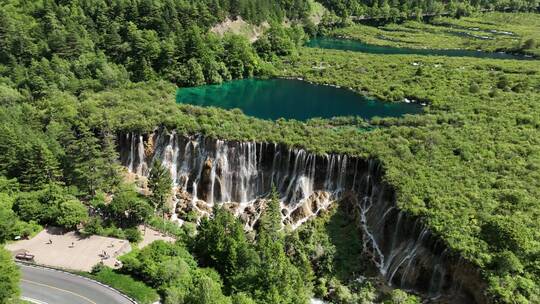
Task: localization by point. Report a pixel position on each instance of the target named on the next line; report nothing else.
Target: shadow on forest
(344, 233)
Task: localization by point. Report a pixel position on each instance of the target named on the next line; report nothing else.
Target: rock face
(240, 175)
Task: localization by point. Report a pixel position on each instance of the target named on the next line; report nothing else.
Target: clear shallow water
(357, 46)
(291, 99)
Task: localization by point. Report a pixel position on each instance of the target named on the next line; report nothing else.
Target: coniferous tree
(283, 281)
(86, 165)
(160, 184)
(222, 244)
(270, 222)
(111, 157)
(40, 167)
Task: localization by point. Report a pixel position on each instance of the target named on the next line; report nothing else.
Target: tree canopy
(9, 277)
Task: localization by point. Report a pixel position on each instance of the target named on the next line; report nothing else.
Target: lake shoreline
(300, 99)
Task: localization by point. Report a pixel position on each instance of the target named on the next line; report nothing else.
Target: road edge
(79, 276)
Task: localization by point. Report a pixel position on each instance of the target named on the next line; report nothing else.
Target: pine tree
(111, 157)
(160, 183)
(280, 279)
(40, 167)
(86, 166)
(270, 222)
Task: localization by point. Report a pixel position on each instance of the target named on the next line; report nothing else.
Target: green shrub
(398, 296)
(126, 284)
(529, 44)
(166, 227)
(474, 88)
(133, 235)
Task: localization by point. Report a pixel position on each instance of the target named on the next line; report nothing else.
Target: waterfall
(129, 138)
(140, 155)
(240, 175)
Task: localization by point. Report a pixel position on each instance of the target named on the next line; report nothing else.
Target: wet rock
(203, 206)
(231, 207)
(149, 147)
(309, 183)
(206, 180)
(301, 212)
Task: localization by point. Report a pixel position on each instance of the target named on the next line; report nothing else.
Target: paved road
(53, 287)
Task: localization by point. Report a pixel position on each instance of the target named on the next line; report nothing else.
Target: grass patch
(167, 227)
(488, 32)
(137, 290)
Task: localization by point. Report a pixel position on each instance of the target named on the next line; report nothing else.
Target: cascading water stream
(240, 175)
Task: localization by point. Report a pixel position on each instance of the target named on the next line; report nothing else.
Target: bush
(26, 229)
(401, 297)
(9, 277)
(506, 262)
(126, 284)
(529, 44)
(98, 268)
(474, 88)
(133, 235)
(190, 229)
(93, 226)
(167, 227)
(53, 205)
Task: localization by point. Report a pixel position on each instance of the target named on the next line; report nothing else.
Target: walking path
(150, 235)
(70, 250)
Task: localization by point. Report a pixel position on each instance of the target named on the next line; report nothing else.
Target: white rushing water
(240, 175)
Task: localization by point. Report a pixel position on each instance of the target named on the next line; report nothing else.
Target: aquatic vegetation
(490, 32)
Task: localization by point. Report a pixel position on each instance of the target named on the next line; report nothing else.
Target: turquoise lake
(357, 46)
(291, 99)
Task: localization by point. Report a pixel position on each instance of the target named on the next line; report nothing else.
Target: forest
(75, 74)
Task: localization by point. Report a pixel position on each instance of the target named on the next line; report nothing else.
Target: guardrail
(77, 275)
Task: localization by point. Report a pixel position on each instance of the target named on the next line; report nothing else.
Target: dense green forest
(75, 74)
(91, 45)
(440, 157)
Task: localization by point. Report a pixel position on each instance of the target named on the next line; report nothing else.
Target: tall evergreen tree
(40, 167)
(85, 163)
(160, 184)
(270, 222)
(282, 281)
(111, 157)
(222, 244)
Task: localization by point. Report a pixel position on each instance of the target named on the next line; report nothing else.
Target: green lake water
(291, 99)
(357, 46)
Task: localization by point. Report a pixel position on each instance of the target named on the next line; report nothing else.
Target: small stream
(358, 46)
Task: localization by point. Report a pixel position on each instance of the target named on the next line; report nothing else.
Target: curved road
(40, 285)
